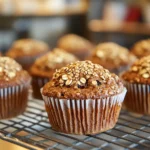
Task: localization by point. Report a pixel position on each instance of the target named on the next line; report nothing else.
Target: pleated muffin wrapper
(37, 84)
(13, 100)
(89, 116)
(137, 99)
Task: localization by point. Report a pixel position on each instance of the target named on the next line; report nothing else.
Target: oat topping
(55, 59)
(113, 52)
(29, 45)
(142, 67)
(8, 68)
(84, 74)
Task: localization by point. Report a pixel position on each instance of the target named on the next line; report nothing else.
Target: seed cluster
(27, 46)
(84, 74)
(55, 59)
(8, 68)
(142, 67)
(113, 52)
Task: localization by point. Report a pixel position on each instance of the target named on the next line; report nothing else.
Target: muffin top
(75, 44)
(27, 47)
(46, 65)
(139, 71)
(141, 48)
(11, 73)
(82, 80)
(111, 55)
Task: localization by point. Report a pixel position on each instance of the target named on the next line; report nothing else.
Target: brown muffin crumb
(139, 72)
(8, 68)
(141, 48)
(83, 79)
(111, 55)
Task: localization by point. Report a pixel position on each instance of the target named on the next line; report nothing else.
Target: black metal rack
(33, 128)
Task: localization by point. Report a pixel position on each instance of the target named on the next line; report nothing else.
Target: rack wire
(33, 128)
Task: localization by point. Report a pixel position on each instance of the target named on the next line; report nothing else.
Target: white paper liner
(37, 84)
(13, 100)
(137, 98)
(83, 116)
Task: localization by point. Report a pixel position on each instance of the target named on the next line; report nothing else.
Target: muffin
(141, 48)
(14, 85)
(25, 51)
(44, 67)
(76, 45)
(112, 56)
(83, 98)
(137, 81)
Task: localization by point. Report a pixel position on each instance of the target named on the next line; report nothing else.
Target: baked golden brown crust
(76, 45)
(27, 47)
(139, 72)
(46, 65)
(112, 56)
(11, 73)
(141, 48)
(83, 80)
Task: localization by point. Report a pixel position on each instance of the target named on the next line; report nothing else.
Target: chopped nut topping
(55, 59)
(65, 77)
(83, 80)
(111, 52)
(8, 68)
(142, 67)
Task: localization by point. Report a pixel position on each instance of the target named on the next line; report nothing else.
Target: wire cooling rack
(33, 128)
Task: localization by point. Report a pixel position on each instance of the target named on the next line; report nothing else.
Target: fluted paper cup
(138, 98)
(89, 116)
(13, 100)
(37, 83)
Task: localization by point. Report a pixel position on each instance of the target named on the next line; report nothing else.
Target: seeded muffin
(141, 48)
(25, 51)
(137, 81)
(112, 56)
(14, 84)
(83, 98)
(44, 67)
(76, 45)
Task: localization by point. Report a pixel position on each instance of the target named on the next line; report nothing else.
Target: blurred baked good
(76, 45)
(25, 51)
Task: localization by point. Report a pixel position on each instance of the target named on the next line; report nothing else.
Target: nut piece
(146, 75)
(64, 77)
(68, 82)
(94, 82)
(134, 68)
(83, 80)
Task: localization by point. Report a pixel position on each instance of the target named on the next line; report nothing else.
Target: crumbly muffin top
(83, 79)
(46, 65)
(27, 47)
(139, 72)
(72, 42)
(54, 59)
(8, 68)
(141, 48)
(112, 55)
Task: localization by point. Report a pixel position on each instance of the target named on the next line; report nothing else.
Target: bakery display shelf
(33, 129)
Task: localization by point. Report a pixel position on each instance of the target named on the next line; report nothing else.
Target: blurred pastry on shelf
(44, 67)
(137, 82)
(76, 45)
(14, 86)
(25, 51)
(83, 98)
(141, 48)
(112, 56)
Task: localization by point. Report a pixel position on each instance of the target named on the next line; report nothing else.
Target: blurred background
(124, 22)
